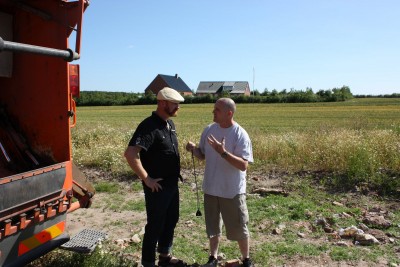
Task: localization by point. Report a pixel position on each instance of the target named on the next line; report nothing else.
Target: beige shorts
(235, 216)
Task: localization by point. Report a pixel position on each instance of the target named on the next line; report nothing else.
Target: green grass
(115, 196)
(62, 258)
(106, 187)
(266, 118)
(297, 212)
(267, 213)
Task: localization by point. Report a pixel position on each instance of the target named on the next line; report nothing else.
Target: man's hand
(219, 147)
(133, 157)
(214, 143)
(153, 183)
(190, 146)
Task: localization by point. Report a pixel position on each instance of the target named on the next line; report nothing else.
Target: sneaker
(247, 263)
(212, 262)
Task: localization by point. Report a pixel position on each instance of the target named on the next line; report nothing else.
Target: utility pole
(254, 74)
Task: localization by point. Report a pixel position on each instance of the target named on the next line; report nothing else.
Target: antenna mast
(254, 75)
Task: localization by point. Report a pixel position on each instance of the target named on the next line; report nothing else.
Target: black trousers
(162, 210)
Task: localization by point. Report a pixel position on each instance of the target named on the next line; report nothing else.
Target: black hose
(198, 212)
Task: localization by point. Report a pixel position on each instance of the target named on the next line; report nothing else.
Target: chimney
(176, 76)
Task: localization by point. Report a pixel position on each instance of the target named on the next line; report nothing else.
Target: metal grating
(85, 241)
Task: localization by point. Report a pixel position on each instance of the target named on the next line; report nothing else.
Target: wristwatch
(224, 154)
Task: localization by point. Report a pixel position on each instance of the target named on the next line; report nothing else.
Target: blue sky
(281, 44)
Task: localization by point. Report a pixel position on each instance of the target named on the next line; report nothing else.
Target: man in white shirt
(227, 149)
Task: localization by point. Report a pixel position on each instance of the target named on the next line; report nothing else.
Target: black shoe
(168, 261)
(212, 262)
(247, 263)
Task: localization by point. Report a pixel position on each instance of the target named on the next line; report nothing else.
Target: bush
(97, 98)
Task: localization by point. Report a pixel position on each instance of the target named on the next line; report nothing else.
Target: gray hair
(228, 103)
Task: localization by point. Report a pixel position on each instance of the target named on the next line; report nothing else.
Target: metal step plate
(85, 241)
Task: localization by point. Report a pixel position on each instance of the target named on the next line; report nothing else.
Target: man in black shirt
(153, 155)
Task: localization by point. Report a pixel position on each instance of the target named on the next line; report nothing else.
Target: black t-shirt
(159, 143)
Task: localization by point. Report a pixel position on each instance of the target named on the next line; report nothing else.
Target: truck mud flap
(85, 241)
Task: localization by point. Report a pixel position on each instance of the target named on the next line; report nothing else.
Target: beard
(171, 113)
(215, 119)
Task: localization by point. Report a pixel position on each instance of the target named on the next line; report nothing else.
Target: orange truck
(39, 183)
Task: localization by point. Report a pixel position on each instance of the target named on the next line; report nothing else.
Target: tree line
(99, 98)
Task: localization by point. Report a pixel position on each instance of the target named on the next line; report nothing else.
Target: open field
(336, 163)
(358, 138)
(377, 113)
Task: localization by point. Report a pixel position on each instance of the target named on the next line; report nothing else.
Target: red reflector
(74, 80)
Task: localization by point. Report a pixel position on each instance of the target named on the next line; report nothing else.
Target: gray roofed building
(175, 82)
(217, 88)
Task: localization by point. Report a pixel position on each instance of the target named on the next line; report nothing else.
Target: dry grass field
(358, 138)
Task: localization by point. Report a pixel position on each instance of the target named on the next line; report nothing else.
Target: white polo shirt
(221, 178)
